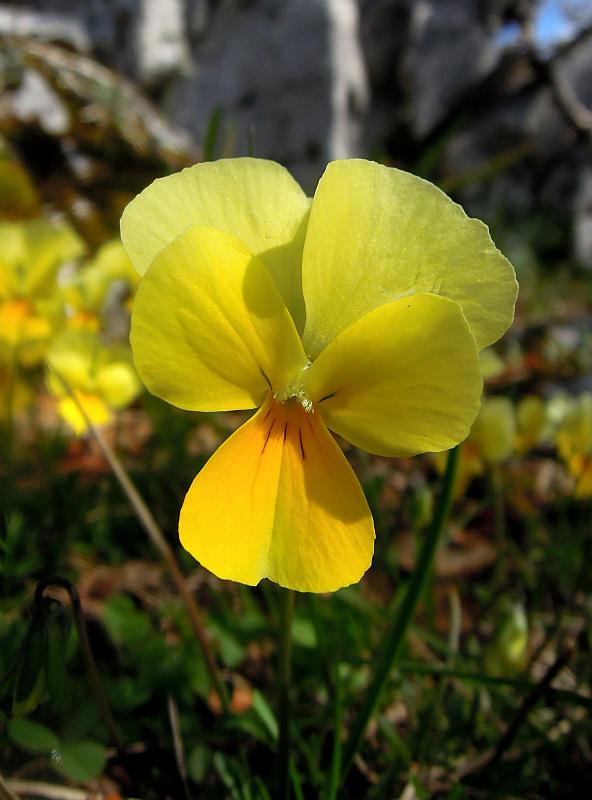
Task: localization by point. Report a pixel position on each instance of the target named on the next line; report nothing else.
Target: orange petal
(279, 500)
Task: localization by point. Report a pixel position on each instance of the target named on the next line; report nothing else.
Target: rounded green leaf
(80, 761)
(32, 736)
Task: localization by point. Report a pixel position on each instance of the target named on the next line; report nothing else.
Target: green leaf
(198, 763)
(32, 736)
(124, 622)
(232, 651)
(265, 714)
(303, 632)
(211, 136)
(80, 761)
(30, 681)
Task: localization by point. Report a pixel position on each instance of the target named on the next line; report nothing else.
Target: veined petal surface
(376, 234)
(298, 514)
(404, 379)
(256, 200)
(210, 331)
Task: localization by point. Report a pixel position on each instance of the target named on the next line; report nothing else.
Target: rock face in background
(288, 75)
(451, 49)
(306, 81)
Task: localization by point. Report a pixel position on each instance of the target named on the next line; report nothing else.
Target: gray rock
(36, 101)
(145, 39)
(47, 26)
(290, 72)
(583, 220)
(451, 49)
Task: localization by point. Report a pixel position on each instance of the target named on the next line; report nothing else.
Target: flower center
(294, 391)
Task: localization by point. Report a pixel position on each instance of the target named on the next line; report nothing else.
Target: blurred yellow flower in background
(361, 311)
(532, 420)
(494, 431)
(101, 379)
(574, 443)
(15, 394)
(31, 308)
(85, 292)
(490, 442)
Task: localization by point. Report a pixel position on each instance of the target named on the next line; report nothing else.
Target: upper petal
(210, 331)
(279, 500)
(404, 379)
(376, 234)
(257, 201)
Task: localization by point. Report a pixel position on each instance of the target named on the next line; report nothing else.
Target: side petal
(255, 200)
(279, 500)
(402, 380)
(210, 331)
(376, 234)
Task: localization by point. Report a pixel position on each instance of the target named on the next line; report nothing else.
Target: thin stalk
(5, 792)
(158, 539)
(556, 695)
(90, 664)
(426, 736)
(528, 703)
(335, 770)
(284, 681)
(499, 506)
(395, 636)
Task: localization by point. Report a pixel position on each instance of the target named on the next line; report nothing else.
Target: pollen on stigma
(294, 393)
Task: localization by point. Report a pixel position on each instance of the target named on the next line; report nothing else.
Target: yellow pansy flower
(86, 291)
(30, 306)
(494, 431)
(361, 311)
(574, 442)
(490, 442)
(532, 423)
(102, 379)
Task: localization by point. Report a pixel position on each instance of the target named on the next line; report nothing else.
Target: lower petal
(279, 500)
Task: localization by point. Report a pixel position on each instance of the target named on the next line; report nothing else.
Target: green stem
(157, 537)
(395, 637)
(284, 680)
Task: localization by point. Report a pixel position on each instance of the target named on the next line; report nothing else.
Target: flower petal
(210, 331)
(402, 380)
(376, 234)
(257, 201)
(279, 500)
